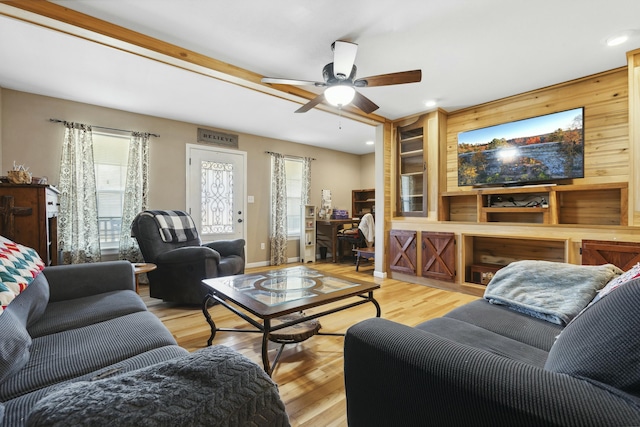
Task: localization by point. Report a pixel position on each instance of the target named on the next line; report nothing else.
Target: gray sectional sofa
(484, 364)
(78, 347)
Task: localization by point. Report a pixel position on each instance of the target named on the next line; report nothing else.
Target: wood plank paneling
(502, 251)
(605, 98)
(633, 73)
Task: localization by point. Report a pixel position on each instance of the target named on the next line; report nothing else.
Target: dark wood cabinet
(621, 254)
(403, 251)
(438, 256)
(29, 216)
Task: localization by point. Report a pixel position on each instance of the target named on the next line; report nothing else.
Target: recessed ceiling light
(430, 103)
(369, 142)
(619, 38)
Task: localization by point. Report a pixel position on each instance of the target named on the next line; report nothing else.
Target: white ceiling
(469, 51)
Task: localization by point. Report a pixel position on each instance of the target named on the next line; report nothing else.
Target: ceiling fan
(340, 80)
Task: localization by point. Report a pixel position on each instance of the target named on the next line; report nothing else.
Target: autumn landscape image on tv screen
(537, 150)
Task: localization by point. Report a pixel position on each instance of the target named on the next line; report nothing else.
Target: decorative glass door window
(217, 197)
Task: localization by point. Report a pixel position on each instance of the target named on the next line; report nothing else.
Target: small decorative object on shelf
(325, 208)
(19, 175)
(483, 273)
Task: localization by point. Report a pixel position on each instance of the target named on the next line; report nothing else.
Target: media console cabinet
(490, 227)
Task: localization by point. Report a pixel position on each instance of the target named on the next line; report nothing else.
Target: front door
(216, 188)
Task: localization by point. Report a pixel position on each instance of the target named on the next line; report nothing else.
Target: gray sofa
(489, 365)
(78, 347)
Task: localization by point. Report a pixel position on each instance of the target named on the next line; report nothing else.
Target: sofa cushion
(30, 305)
(75, 313)
(69, 354)
(14, 351)
(602, 343)
(477, 337)
(26, 308)
(504, 321)
(17, 410)
(623, 279)
(212, 386)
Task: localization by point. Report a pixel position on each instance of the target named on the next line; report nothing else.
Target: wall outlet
(261, 245)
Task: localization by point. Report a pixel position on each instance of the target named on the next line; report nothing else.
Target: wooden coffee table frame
(223, 294)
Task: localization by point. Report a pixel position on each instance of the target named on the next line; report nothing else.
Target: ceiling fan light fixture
(339, 95)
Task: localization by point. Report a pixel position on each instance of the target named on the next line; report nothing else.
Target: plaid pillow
(19, 265)
(174, 226)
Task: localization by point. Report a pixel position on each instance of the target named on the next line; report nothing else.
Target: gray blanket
(552, 291)
(214, 386)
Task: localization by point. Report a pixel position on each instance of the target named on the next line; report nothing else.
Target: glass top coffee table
(275, 294)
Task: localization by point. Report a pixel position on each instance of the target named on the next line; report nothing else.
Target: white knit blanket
(552, 291)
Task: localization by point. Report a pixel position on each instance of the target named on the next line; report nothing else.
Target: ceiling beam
(69, 21)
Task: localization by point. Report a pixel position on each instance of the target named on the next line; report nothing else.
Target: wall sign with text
(218, 138)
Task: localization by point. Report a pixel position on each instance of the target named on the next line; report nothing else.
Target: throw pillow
(602, 343)
(623, 279)
(19, 265)
(30, 305)
(14, 351)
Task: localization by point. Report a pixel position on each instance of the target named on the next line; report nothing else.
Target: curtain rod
(102, 127)
(286, 155)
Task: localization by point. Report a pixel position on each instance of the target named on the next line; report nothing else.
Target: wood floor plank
(310, 374)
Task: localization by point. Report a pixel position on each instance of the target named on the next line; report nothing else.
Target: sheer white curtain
(135, 194)
(306, 180)
(78, 235)
(278, 210)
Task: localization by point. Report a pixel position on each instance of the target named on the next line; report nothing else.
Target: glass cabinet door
(411, 167)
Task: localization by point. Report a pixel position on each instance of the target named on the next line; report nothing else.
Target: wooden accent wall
(633, 61)
(604, 205)
(606, 123)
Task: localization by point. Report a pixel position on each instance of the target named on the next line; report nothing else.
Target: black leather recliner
(183, 264)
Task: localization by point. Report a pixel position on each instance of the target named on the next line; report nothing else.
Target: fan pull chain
(340, 118)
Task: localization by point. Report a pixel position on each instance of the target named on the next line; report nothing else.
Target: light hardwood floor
(310, 374)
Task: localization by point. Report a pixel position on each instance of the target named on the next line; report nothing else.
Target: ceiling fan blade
(413, 76)
(344, 55)
(364, 103)
(291, 82)
(309, 105)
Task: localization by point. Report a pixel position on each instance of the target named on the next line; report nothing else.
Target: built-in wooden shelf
(595, 204)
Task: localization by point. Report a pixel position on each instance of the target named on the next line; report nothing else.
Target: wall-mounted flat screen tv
(543, 149)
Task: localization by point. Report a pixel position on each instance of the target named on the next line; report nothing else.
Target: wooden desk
(329, 228)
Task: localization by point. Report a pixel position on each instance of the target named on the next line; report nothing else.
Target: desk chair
(357, 237)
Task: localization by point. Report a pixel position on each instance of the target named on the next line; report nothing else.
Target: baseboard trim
(380, 274)
(268, 263)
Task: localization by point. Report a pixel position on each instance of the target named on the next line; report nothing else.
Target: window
(110, 155)
(293, 169)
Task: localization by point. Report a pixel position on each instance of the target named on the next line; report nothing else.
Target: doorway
(216, 191)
